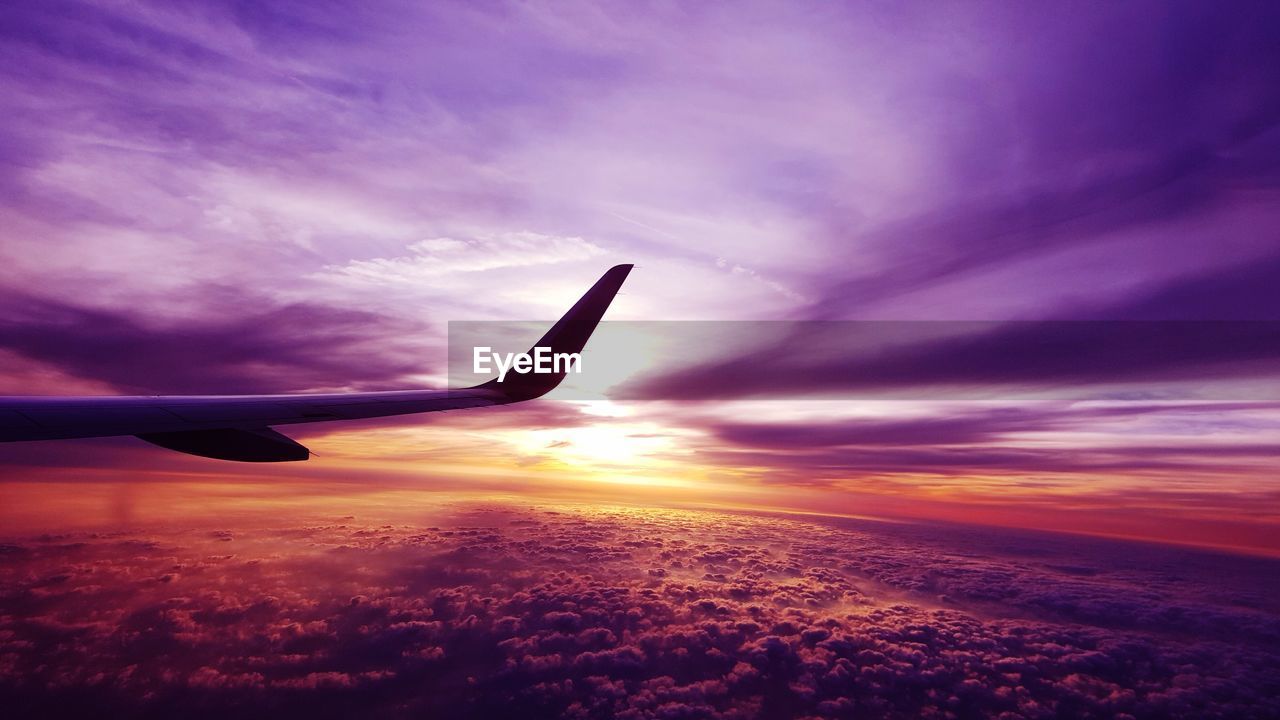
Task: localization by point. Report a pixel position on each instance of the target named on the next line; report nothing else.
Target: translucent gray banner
(1084, 360)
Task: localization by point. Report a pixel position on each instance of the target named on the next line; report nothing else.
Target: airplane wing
(239, 427)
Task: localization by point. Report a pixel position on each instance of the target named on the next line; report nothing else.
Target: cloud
(552, 612)
(437, 257)
(964, 428)
(1216, 325)
(269, 348)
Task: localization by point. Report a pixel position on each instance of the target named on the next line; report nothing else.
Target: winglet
(568, 335)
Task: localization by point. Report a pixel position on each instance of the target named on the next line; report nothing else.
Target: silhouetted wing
(52, 418)
(238, 427)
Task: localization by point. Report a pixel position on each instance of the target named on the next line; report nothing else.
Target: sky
(223, 197)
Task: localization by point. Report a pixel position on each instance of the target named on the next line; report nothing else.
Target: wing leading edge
(238, 427)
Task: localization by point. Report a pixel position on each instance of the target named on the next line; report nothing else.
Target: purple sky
(253, 197)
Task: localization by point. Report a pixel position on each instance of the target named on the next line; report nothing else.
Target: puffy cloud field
(569, 611)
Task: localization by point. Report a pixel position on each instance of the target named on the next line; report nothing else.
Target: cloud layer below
(495, 610)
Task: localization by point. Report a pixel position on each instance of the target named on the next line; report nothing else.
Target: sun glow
(626, 445)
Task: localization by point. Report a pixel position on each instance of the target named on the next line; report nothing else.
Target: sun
(622, 446)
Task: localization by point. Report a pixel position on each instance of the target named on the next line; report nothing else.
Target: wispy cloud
(435, 257)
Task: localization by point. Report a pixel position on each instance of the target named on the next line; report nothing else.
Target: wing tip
(569, 334)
